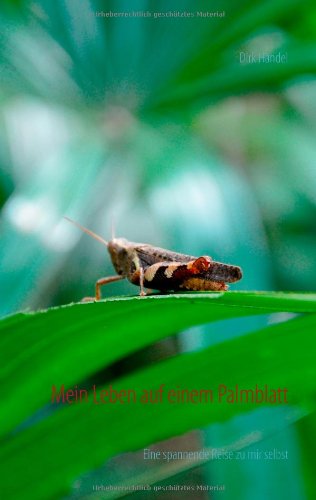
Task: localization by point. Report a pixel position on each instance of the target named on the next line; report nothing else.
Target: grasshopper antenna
(112, 229)
(85, 230)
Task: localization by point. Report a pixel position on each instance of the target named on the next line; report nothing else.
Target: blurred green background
(156, 124)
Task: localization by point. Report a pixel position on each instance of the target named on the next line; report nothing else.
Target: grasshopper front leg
(99, 284)
(105, 281)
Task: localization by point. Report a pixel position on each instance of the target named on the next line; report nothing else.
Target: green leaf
(235, 78)
(43, 460)
(306, 431)
(67, 344)
(240, 24)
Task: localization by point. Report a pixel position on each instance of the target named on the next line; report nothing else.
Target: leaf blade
(83, 338)
(263, 357)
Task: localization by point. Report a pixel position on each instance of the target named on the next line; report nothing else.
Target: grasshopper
(156, 268)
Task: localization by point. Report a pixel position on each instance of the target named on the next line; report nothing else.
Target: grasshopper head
(120, 251)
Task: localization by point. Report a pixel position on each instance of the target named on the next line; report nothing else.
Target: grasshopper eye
(123, 253)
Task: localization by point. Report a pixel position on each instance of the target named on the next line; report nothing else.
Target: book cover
(157, 256)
